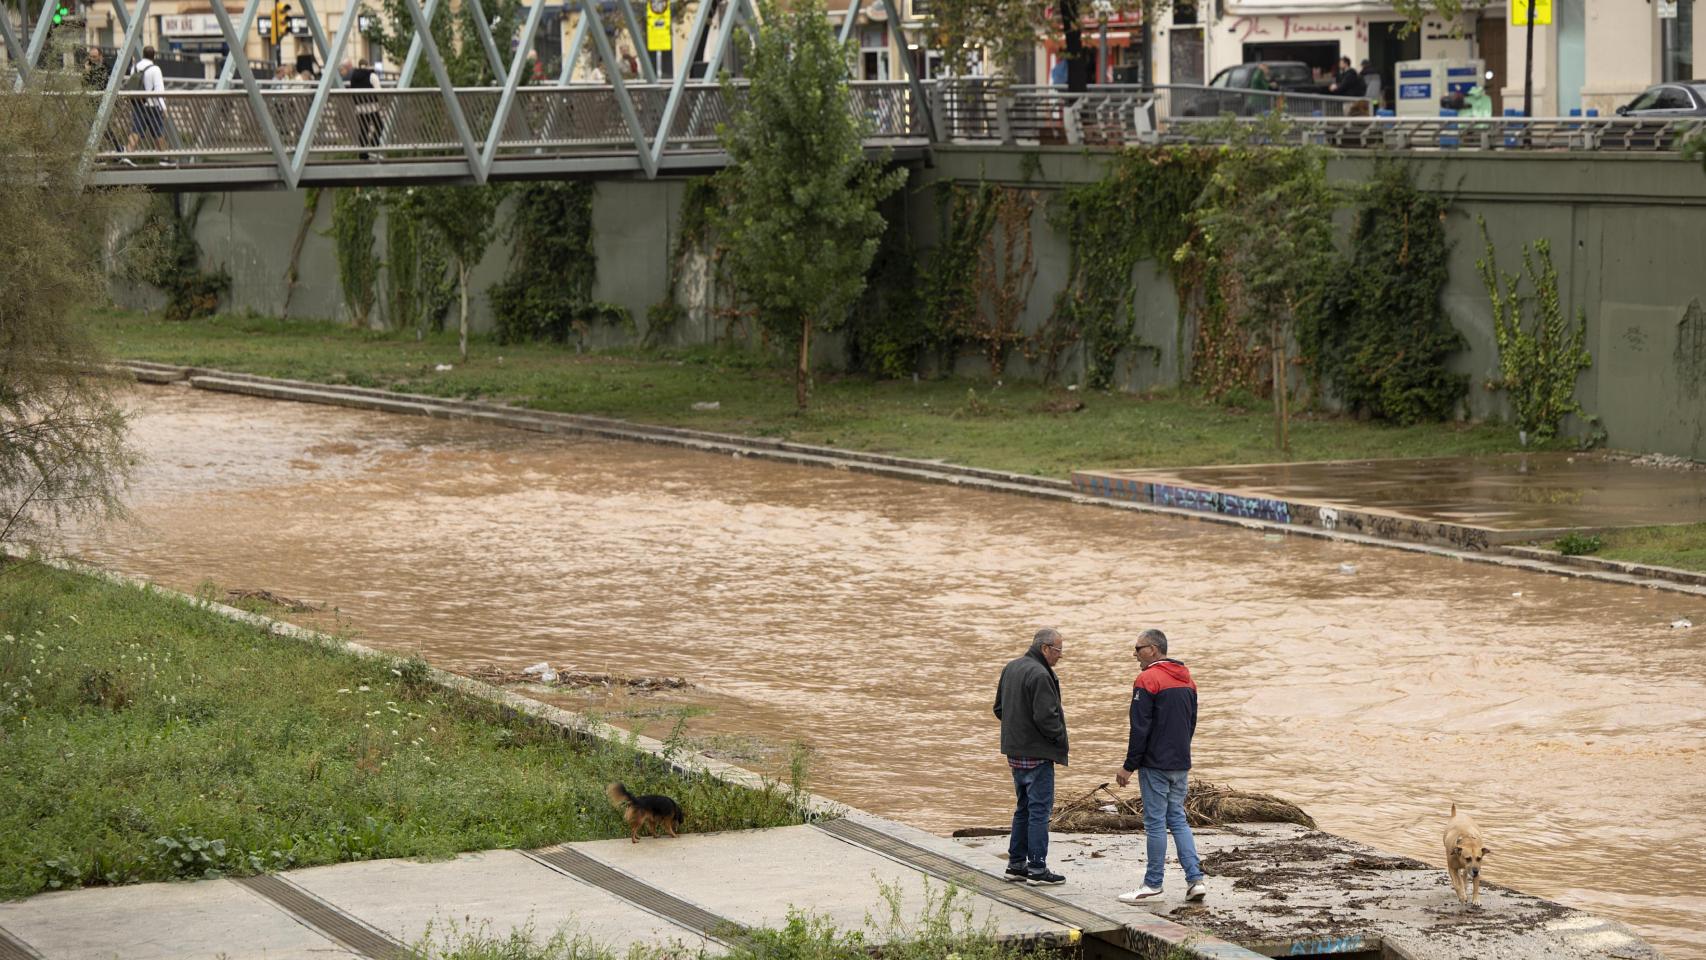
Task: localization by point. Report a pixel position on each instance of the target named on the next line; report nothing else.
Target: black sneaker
(1044, 879)
(1016, 874)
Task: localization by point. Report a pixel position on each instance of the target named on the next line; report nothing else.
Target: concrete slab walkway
(697, 892)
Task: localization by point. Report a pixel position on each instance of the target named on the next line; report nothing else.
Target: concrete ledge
(1649, 571)
(929, 471)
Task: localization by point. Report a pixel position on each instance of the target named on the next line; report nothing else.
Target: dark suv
(1231, 90)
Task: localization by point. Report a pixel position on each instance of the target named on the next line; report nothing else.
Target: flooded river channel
(870, 617)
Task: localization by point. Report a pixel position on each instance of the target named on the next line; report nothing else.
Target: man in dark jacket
(1163, 720)
(1347, 83)
(1033, 737)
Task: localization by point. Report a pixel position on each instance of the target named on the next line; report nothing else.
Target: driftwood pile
(577, 681)
(272, 599)
(1206, 805)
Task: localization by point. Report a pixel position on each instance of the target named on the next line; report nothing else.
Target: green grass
(1017, 427)
(142, 738)
(1682, 546)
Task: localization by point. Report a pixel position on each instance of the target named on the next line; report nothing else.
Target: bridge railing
(205, 125)
(990, 110)
(1467, 133)
(1187, 100)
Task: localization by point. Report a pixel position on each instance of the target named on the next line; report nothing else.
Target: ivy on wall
(355, 212)
(547, 294)
(1540, 352)
(1137, 211)
(164, 254)
(1382, 339)
(418, 286)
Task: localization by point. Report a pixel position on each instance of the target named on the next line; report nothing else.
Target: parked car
(1683, 99)
(1227, 91)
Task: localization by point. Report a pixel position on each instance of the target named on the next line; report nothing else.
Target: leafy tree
(466, 217)
(63, 453)
(800, 220)
(1265, 219)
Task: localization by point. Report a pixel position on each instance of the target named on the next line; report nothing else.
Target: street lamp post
(1104, 9)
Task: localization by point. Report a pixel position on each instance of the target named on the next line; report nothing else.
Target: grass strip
(1682, 546)
(1020, 427)
(143, 738)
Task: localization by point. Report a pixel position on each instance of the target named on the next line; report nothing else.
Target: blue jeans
(1164, 810)
(1027, 845)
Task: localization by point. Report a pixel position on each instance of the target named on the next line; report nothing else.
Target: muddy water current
(870, 617)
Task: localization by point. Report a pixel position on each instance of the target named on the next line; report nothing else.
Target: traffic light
(280, 11)
(61, 12)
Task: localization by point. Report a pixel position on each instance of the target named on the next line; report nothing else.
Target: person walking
(1163, 720)
(1033, 738)
(148, 114)
(370, 125)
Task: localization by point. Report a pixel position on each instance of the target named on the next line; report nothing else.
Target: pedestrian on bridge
(148, 114)
(1163, 721)
(371, 126)
(1033, 737)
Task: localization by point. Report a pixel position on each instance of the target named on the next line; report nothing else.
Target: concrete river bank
(869, 617)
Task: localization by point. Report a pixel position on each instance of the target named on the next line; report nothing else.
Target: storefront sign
(190, 25)
(1291, 27)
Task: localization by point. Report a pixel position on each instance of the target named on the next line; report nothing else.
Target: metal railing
(1186, 100)
(1468, 133)
(588, 127)
(220, 126)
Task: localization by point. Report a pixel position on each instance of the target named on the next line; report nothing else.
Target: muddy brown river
(870, 617)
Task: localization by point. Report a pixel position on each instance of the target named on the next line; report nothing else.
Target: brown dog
(647, 810)
(1463, 853)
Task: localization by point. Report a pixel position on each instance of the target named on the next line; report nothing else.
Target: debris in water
(1517, 593)
(708, 405)
(272, 599)
(543, 672)
(1347, 568)
(1682, 624)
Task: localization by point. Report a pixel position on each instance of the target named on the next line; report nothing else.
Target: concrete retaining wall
(1627, 234)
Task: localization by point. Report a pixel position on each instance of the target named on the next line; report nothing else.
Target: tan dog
(1463, 853)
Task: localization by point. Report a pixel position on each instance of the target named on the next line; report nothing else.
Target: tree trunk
(462, 291)
(802, 375)
(1278, 386)
(1077, 68)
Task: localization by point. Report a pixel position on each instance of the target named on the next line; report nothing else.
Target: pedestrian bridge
(297, 136)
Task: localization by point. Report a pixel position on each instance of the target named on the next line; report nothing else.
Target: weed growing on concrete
(1576, 544)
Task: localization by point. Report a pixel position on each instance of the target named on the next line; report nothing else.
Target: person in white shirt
(148, 114)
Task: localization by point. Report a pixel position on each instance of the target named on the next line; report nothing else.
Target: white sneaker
(1197, 891)
(1140, 894)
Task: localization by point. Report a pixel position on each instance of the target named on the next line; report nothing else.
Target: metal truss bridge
(238, 132)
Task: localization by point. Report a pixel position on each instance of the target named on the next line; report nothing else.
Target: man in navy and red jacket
(1163, 720)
